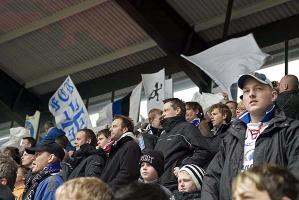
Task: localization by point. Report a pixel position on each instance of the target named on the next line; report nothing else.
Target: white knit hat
(196, 173)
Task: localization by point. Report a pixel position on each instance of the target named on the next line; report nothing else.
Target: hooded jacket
(87, 161)
(122, 165)
(278, 144)
(181, 144)
(288, 102)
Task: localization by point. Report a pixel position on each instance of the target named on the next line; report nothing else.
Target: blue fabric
(46, 189)
(116, 107)
(196, 122)
(52, 135)
(245, 117)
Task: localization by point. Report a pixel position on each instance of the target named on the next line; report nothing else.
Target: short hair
(90, 135)
(277, 181)
(140, 191)
(153, 113)
(196, 106)
(126, 122)
(106, 132)
(62, 140)
(84, 188)
(292, 80)
(14, 154)
(31, 140)
(8, 170)
(223, 109)
(177, 103)
(233, 102)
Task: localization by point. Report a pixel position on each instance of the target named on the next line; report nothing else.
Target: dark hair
(31, 140)
(141, 191)
(195, 106)
(14, 154)
(62, 140)
(8, 170)
(126, 122)
(106, 132)
(90, 135)
(49, 124)
(277, 181)
(177, 103)
(223, 109)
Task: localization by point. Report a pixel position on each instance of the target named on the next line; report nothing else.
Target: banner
(69, 110)
(32, 123)
(168, 89)
(154, 89)
(135, 99)
(105, 116)
(225, 62)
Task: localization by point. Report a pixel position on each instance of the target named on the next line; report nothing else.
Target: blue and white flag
(154, 88)
(225, 62)
(69, 110)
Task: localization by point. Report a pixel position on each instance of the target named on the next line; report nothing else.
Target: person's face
(185, 182)
(232, 108)
(20, 175)
(190, 114)
(117, 130)
(257, 97)
(102, 140)
(156, 121)
(247, 191)
(42, 159)
(148, 172)
(24, 144)
(80, 139)
(217, 118)
(27, 159)
(240, 109)
(168, 110)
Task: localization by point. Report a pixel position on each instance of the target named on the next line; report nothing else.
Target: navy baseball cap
(52, 148)
(257, 76)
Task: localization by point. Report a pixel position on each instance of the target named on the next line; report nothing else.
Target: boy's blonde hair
(84, 188)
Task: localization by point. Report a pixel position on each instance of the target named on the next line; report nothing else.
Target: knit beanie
(155, 159)
(196, 173)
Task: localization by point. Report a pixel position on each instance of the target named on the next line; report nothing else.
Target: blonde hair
(84, 188)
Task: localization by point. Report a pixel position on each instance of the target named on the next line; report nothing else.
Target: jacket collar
(246, 118)
(169, 123)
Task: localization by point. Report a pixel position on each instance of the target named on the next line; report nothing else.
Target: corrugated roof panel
(266, 16)
(97, 32)
(102, 70)
(15, 13)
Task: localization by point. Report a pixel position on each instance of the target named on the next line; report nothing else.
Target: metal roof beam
(169, 30)
(236, 14)
(60, 15)
(91, 63)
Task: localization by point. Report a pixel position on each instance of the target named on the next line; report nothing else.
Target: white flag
(135, 99)
(168, 89)
(69, 110)
(226, 61)
(206, 100)
(105, 116)
(32, 122)
(154, 89)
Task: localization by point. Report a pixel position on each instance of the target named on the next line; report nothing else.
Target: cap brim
(244, 77)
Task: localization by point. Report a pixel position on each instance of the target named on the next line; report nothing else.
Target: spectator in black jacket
(288, 98)
(181, 143)
(122, 165)
(86, 160)
(260, 136)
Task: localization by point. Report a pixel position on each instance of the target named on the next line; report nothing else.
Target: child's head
(84, 188)
(151, 165)
(265, 182)
(190, 178)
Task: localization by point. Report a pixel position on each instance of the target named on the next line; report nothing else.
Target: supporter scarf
(32, 183)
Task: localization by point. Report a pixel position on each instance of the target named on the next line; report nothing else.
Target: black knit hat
(154, 158)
